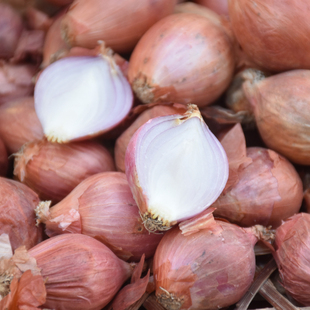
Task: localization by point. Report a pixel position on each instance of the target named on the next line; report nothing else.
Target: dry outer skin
(102, 207)
(292, 253)
(53, 170)
(281, 106)
(275, 34)
(171, 64)
(17, 217)
(19, 123)
(269, 190)
(202, 270)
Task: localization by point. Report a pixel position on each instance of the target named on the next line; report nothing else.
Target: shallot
(119, 24)
(53, 170)
(79, 272)
(79, 97)
(102, 207)
(185, 58)
(175, 167)
(198, 265)
(17, 217)
(292, 251)
(275, 34)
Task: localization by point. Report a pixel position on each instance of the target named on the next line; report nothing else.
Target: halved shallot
(79, 97)
(175, 167)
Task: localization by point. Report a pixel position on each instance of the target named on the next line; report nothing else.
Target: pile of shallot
(154, 153)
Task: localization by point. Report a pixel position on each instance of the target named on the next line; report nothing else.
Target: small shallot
(119, 24)
(102, 207)
(11, 27)
(17, 217)
(292, 251)
(53, 170)
(79, 97)
(19, 123)
(263, 187)
(15, 81)
(79, 272)
(281, 105)
(275, 34)
(175, 167)
(205, 264)
(185, 58)
(124, 138)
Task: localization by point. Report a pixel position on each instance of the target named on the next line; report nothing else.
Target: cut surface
(81, 96)
(181, 168)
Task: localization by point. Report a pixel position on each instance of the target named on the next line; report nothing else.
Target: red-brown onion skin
(11, 26)
(81, 272)
(4, 161)
(106, 211)
(292, 253)
(54, 45)
(19, 123)
(53, 170)
(203, 269)
(184, 58)
(275, 34)
(123, 140)
(281, 106)
(120, 24)
(218, 6)
(17, 217)
(15, 81)
(269, 191)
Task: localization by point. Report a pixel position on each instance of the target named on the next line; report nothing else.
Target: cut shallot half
(176, 168)
(79, 97)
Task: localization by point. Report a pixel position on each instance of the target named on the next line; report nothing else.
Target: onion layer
(79, 97)
(17, 217)
(198, 266)
(183, 58)
(175, 167)
(119, 24)
(292, 251)
(276, 35)
(102, 207)
(124, 138)
(267, 191)
(281, 105)
(53, 170)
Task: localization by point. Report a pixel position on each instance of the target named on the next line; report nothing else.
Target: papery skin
(80, 272)
(202, 270)
(119, 24)
(281, 107)
(19, 123)
(15, 81)
(17, 217)
(307, 199)
(53, 170)
(102, 206)
(4, 161)
(184, 58)
(37, 20)
(218, 6)
(269, 190)
(10, 30)
(292, 253)
(123, 140)
(276, 35)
